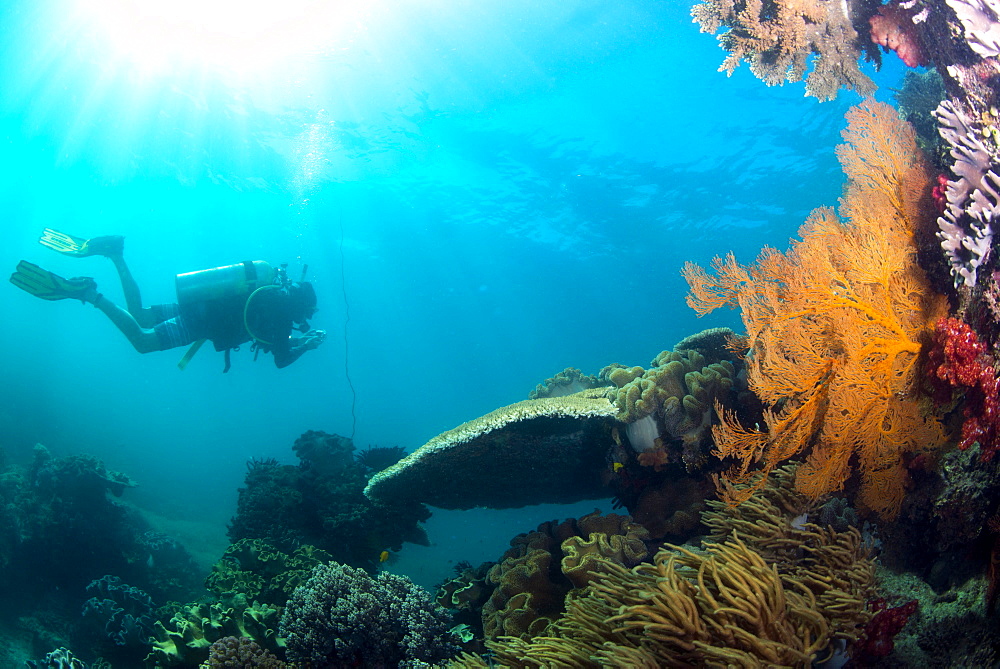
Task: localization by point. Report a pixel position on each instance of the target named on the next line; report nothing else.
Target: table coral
(550, 449)
(834, 328)
(780, 40)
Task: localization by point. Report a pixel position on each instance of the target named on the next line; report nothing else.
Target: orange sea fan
(835, 327)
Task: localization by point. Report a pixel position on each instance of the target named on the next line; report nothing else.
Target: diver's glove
(313, 339)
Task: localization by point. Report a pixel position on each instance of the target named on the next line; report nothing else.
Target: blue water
(507, 189)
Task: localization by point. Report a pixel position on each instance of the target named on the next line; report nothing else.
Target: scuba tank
(239, 280)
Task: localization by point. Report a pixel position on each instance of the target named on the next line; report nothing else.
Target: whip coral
(834, 329)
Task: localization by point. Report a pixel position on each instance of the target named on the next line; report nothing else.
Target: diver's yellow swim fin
(78, 247)
(48, 286)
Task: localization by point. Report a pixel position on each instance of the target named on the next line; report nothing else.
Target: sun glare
(241, 37)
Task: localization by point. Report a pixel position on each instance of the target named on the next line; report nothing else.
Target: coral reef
(377, 458)
(835, 327)
(917, 99)
(673, 401)
(63, 527)
(942, 531)
(233, 652)
(321, 503)
(780, 40)
(342, 616)
(950, 629)
(737, 602)
(551, 449)
(191, 630)
(567, 382)
(531, 580)
(256, 571)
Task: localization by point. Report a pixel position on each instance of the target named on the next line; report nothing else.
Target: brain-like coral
(233, 652)
(532, 579)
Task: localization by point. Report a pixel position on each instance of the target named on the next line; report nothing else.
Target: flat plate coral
(533, 452)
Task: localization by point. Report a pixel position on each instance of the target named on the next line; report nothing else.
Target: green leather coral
(186, 638)
(256, 570)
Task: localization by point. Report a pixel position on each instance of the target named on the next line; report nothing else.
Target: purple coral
(342, 616)
(966, 228)
(981, 23)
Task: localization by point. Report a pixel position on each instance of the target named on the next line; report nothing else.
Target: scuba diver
(230, 305)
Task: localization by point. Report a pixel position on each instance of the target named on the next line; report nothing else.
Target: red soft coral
(877, 641)
(894, 29)
(960, 361)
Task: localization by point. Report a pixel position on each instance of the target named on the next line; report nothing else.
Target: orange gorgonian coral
(835, 327)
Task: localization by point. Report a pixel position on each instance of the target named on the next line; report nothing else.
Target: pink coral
(894, 29)
(959, 360)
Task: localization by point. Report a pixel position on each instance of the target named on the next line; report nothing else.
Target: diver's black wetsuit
(221, 321)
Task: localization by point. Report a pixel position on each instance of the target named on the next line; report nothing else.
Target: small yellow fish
(383, 556)
(617, 466)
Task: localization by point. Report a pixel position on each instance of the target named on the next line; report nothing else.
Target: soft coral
(894, 28)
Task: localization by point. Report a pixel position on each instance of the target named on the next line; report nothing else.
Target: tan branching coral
(781, 38)
(835, 327)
